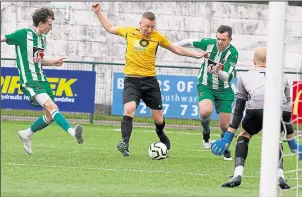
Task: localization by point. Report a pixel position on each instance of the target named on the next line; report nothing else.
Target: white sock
(280, 173)
(29, 132)
(71, 131)
(238, 171)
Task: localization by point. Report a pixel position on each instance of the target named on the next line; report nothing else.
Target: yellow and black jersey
(141, 51)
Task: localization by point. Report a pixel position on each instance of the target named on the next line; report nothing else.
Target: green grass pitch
(59, 167)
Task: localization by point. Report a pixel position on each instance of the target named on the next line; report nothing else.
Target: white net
(292, 165)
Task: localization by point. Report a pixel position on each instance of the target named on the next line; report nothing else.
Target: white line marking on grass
(130, 170)
(172, 132)
(121, 170)
(179, 132)
(200, 150)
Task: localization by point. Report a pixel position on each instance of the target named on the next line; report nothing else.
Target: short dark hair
(149, 15)
(225, 28)
(41, 15)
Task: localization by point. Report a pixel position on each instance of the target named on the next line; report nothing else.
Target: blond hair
(260, 56)
(149, 15)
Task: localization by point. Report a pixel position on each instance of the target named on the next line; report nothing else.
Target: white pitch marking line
(120, 170)
(200, 150)
(172, 132)
(177, 132)
(125, 170)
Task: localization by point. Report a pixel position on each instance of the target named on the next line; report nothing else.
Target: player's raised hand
(202, 54)
(58, 62)
(96, 7)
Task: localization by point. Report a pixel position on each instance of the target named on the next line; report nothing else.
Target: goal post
(273, 99)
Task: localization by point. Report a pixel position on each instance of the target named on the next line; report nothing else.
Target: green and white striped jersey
(29, 52)
(207, 76)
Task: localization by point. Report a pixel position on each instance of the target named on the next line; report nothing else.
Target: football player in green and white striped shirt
(30, 45)
(214, 80)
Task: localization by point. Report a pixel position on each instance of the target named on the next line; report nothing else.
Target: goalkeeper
(250, 95)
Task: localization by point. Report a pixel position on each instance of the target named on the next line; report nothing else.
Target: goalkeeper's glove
(219, 146)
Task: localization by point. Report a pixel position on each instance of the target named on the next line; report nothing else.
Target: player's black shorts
(253, 119)
(145, 88)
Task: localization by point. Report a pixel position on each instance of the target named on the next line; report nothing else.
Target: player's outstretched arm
(184, 52)
(3, 39)
(105, 22)
(185, 42)
(57, 62)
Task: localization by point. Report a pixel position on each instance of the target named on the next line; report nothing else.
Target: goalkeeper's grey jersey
(251, 88)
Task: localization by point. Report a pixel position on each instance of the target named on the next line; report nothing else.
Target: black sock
(280, 156)
(126, 127)
(241, 151)
(160, 128)
(161, 134)
(206, 137)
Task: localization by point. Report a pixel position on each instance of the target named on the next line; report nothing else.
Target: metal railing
(103, 91)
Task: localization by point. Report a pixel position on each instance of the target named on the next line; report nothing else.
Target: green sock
(205, 123)
(40, 124)
(60, 120)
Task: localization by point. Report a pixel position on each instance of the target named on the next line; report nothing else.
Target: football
(158, 150)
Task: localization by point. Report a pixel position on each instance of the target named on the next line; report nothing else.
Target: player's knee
(205, 113)
(244, 134)
(158, 117)
(129, 109)
(205, 108)
(50, 106)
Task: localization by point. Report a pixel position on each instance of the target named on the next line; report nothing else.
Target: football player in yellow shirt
(140, 80)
